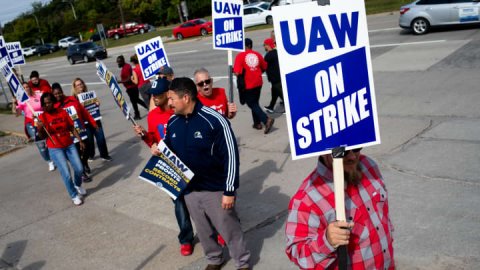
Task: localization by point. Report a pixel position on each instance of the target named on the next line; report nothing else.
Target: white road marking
(406, 43)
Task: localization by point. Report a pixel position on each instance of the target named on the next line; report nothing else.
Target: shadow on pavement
(14, 252)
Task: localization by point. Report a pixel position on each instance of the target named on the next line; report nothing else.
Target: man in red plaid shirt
(313, 234)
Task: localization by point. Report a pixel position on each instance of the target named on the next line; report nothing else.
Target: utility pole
(38, 26)
(74, 16)
(123, 19)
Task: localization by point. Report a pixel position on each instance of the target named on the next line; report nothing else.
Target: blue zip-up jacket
(205, 142)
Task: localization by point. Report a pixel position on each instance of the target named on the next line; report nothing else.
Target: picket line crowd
(192, 118)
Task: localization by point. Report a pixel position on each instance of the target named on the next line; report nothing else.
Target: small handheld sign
(89, 101)
(327, 77)
(12, 80)
(167, 172)
(151, 56)
(79, 126)
(15, 53)
(4, 52)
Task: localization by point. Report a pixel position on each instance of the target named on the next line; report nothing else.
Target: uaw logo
(197, 135)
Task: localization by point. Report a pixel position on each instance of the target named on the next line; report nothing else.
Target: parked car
(195, 27)
(52, 47)
(28, 51)
(130, 28)
(85, 52)
(40, 50)
(421, 15)
(67, 41)
(253, 14)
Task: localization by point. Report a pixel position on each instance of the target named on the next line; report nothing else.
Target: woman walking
(30, 108)
(79, 86)
(68, 103)
(60, 145)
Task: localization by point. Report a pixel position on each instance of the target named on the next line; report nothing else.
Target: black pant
(135, 99)
(252, 96)
(276, 93)
(83, 154)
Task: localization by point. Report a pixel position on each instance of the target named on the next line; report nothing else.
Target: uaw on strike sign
(325, 64)
(227, 17)
(151, 56)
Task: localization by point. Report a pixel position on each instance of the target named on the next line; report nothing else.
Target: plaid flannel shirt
(312, 208)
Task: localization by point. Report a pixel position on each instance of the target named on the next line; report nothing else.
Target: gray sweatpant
(206, 207)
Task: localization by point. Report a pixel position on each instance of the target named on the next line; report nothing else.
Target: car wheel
(86, 59)
(203, 32)
(269, 20)
(71, 61)
(179, 36)
(142, 31)
(420, 26)
(116, 36)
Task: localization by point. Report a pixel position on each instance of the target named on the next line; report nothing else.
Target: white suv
(67, 41)
(256, 14)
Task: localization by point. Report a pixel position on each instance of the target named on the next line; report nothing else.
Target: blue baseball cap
(159, 86)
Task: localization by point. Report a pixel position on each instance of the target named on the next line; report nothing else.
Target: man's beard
(353, 177)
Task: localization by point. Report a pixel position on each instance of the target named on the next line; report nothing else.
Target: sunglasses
(356, 150)
(205, 82)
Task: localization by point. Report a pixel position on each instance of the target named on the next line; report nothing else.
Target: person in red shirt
(313, 232)
(65, 102)
(157, 126)
(214, 98)
(37, 84)
(137, 78)
(252, 65)
(132, 89)
(60, 145)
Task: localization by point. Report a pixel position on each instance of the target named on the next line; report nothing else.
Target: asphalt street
(427, 94)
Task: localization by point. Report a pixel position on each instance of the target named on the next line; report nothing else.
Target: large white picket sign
(327, 78)
(151, 56)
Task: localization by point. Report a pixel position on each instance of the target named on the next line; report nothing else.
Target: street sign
(227, 17)
(327, 78)
(151, 56)
(15, 53)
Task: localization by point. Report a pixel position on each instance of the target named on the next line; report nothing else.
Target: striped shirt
(312, 208)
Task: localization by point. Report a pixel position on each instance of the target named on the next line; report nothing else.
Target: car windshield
(200, 21)
(89, 45)
(264, 6)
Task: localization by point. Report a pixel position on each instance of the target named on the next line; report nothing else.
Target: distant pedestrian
(252, 64)
(157, 125)
(33, 103)
(132, 89)
(273, 74)
(137, 78)
(79, 86)
(203, 139)
(213, 97)
(60, 145)
(38, 84)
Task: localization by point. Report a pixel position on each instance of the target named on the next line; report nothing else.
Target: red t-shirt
(42, 87)
(83, 114)
(253, 64)
(217, 101)
(126, 76)
(157, 125)
(58, 124)
(141, 80)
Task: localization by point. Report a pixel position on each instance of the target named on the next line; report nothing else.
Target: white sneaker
(81, 191)
(77, 200)
(51, 166)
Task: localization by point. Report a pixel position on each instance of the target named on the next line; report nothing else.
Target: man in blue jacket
(203, 139)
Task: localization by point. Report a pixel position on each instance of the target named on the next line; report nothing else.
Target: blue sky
(10, 9)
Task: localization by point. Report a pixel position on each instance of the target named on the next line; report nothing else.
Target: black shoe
(86, 178)
(107, 158)
(86, 168)
(137, 117)
(257, 126)
(213, 267)
(269, 124)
